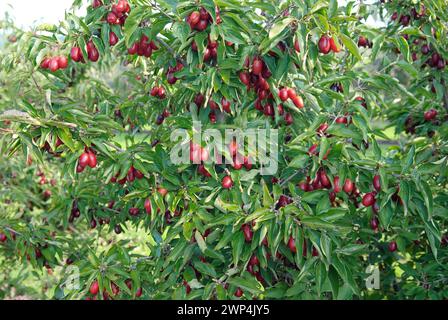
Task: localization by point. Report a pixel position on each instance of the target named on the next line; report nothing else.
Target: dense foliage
(87, 108)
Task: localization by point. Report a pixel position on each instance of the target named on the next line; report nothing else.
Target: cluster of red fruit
(54, 63)
(119, 13)
(430, 114)
(92, 53)
(158, 92)
(285, 94)
(199, 20)
(88, 158)
(405, 19)
(435, 61)
(170, 78)
(143, 48)
(130, 176)
(256, 79)
(327, 44)
(95, 288)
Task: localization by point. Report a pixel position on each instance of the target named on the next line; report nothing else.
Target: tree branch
(171, 50)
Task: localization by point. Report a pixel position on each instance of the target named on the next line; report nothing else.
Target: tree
(89, 107)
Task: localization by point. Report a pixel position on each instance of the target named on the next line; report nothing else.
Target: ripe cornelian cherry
(392, 246)
(292, 245)
(296, 45)
(247, 232)
(374, 223)
(92, 160)
(244, 77)
(194, 18)
(298, 102)
(336, 184)
(3, 237)
(147, 206)
(254, 261)
(348, 186)
(94, 288)
(96, 3)
(139, 292)
(324, 44)
(45, 64)
(227, 182)
(289, 119)
(238, 293)
(113, 39)
(62, 62)
(428, 115)
(257, 66)
(76, 54)
(84, 160)
(377, 183)
(368, 199)
(334, 47)
(283, 94)
(54, 64)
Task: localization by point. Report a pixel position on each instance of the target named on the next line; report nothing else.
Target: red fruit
(212, 117)
(3, 237)
(322, 128)
(134, 48)
(341, 120)
(291, 93)
(392, 246)
(139, 292)
(324, 179)
(238, 293)
(93, 224)
(292, 245)
(269, 110)
(312, 150)
(194, 18)
(225, 105)
(336, 184)
(96, 3)
(283, 94)
(368, 199)
(92, 52)
(54, 64)
(296, 45)
(363, 42)
(112, 18)
(334, 47)
(45, 64)
(348, 186)
(244, 77)
(298, 102)
(203, 171)
(430, 114)
(289, 119)
(374, 223)
(247, 163)
(79, 168)
(113, 39)
(94, 288)
(377, 183)
(62, 62)
(115, 288)
(257, 66)
(161, 92)
(147, 206)
(324, 44)
(121, 6)
(84, 160)
(134, 211)
(92, 160)
(247, 232)
(154, 91)
(202, 25)
(199, 99)
(254, 261)
(283, 201)
(227, 182)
